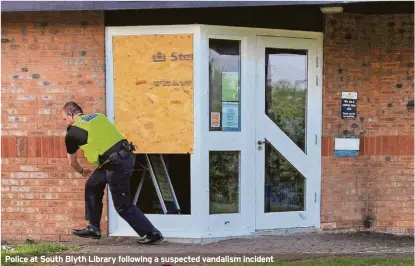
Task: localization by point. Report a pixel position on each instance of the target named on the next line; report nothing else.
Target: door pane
(286, 91)
(224, 182)
(284, 185)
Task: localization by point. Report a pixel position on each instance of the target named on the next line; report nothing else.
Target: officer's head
(69, 111)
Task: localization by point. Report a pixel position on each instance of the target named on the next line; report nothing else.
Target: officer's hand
(86, 172)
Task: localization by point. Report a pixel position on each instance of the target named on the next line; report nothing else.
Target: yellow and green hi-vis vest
(102, 135)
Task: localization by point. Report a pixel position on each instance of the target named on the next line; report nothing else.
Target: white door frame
(307, 163)
(200, 224)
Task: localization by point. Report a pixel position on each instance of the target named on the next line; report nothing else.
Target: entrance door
(288, 130)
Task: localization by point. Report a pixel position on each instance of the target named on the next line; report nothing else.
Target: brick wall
(47, 60)
(374, 56)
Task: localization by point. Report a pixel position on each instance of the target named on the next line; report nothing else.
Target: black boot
(151, 238)
(90, 231)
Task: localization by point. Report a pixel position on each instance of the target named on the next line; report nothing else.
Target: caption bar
(138, 259)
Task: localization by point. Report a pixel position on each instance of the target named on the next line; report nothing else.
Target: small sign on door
(215, 119)
(349, 105)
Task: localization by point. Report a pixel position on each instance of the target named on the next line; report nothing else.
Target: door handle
(260, 142)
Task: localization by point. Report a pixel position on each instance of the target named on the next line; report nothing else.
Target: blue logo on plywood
(89, 117)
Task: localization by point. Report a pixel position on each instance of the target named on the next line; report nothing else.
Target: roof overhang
(10, 6)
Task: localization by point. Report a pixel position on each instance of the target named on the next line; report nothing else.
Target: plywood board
(153, 91)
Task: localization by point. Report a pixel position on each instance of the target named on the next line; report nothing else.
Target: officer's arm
(73, 161)
(72, 145)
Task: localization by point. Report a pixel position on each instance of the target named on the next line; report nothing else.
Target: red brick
(401, 145)
(45, 147)
(62, 148)
(12, 146)
(409, 224)
(4, 147)
(56, 145)
(330, 146)
(22, 147)
(324, 146)
(383, 143)
(38, 146)
(366, 143)
(31, 142)
(392, 145)
(371, 145)
(408, 149)
(362, 146)
(411, 145)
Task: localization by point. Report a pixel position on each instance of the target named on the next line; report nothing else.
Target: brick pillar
(372, 55)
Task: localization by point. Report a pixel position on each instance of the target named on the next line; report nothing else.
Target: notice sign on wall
(349, 105)
(153, 91)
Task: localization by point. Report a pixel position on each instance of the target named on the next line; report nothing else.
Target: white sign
(349, 95)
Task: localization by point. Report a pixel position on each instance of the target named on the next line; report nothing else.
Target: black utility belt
(124, 151)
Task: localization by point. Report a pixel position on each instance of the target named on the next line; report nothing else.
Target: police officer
(105, 146)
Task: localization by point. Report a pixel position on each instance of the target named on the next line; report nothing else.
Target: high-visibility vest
(102, 135)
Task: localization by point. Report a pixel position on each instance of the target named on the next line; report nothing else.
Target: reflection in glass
(284, 185)
(224, 84)
(224, 182)
(286, 91)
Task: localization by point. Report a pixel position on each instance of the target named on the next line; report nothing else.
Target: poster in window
(230, 116)
(230, 86)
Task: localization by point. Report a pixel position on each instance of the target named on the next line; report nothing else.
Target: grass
(344, 261)
(32, 250)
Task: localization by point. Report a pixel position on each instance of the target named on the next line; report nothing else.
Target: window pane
(224, 182)
(284, 185)
(224, 85)
(286, 91)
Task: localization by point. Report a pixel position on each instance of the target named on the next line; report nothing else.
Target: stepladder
(157, 171)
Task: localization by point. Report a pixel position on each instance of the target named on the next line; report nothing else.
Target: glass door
(287, 135)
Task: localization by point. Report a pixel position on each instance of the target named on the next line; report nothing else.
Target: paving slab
(295, 246)
(290, 243)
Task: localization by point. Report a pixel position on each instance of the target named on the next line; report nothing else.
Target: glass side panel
(224, 85)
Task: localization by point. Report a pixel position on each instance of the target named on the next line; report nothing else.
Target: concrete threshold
(275, 232)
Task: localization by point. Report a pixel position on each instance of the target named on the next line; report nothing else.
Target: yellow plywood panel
(153, 91)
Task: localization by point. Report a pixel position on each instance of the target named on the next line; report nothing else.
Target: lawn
(30, 250)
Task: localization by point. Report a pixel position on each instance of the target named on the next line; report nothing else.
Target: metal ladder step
(160, 177)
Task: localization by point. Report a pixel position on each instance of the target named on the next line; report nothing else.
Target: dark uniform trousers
(117, 175)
